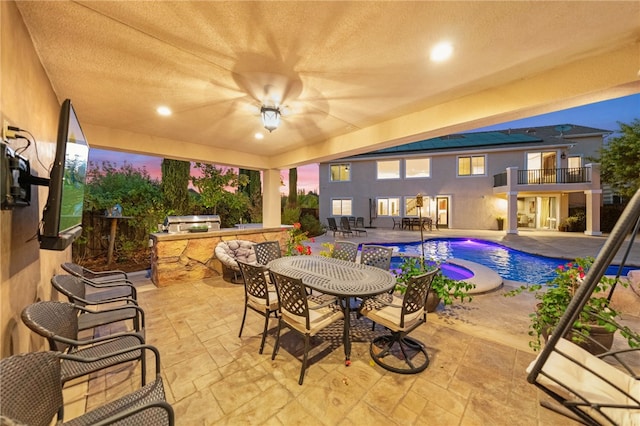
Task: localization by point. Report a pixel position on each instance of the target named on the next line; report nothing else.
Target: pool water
(509, 263)
(455, 272)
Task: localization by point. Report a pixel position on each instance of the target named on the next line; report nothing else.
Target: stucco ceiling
(350, 76)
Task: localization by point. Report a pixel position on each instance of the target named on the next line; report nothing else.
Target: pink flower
(297, 225)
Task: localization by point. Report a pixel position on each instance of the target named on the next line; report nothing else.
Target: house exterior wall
(473, 202)
(28, 101)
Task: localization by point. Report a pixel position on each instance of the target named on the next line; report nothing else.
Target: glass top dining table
(339, 278)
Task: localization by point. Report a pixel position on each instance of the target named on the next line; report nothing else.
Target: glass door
(549, 212)
(442, 212)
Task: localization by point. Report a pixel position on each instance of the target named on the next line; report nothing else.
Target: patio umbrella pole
(419, 204)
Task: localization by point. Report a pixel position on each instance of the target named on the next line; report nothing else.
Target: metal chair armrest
(86, 342)
(139, 311)
(142, 347)
(130, 412)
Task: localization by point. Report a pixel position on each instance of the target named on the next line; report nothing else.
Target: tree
(620, 160)
(214, 187)
(253, 190)
(293, 187)
(175, 185)
(138, 194)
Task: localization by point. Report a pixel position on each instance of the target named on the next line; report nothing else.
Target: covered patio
(479, 352)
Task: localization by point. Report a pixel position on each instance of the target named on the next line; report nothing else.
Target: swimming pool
(509, 263)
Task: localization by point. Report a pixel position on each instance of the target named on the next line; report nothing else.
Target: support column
(594, 200)
(512, 200)
(271, 217)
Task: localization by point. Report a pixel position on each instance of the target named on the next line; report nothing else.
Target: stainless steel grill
(193, 223)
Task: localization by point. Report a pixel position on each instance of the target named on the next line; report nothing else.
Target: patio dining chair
(301, 314)
(58, 323)
(111, 309)
(258, 296)
(397, 222)
(267, 251)
(345, 250)
(396, 351)
(31, 394)
(376, 255)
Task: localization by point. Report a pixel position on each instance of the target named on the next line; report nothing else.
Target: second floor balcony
(569, 175)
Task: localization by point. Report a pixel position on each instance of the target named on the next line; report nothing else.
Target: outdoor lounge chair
(397, 352)
(229, 252)
(345, 227)
(58, 323)
(31, 394)
(300, 314)
(117, 309)
(333, 226)
(258, 296)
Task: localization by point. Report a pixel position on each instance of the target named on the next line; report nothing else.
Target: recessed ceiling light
(259, 136)
(163, 110)
(441, 52)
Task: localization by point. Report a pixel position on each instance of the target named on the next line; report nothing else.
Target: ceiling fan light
(270, 117)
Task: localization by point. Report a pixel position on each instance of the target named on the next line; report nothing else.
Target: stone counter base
(178, 258)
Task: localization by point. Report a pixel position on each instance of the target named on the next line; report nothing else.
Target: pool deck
(566, 245)
(479, 352)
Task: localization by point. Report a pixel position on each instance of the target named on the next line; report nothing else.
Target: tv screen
(62, 215)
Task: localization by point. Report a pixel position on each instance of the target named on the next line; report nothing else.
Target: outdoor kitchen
(183, 249)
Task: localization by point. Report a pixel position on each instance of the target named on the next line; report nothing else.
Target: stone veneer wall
(178, 258)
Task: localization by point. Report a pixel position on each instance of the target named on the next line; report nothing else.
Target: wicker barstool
(58, 323)
(31, 394)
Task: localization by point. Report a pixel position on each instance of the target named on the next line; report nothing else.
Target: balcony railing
(547, 176)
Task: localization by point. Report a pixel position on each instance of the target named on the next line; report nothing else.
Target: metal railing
(547, 176)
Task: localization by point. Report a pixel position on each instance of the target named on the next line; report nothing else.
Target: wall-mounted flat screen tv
(62, 215)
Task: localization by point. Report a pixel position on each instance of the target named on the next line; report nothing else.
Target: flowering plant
(553, 302)
(442, 287)
(294, 243)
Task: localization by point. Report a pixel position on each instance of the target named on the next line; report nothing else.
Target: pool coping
(484, 278)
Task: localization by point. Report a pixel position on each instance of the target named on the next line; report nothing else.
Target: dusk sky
(602, 115)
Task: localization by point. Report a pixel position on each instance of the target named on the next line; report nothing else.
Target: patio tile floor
(478, 352)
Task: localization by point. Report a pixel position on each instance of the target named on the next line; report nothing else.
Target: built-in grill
(193, 223)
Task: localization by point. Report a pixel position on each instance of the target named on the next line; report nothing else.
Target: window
(341, 206)
(545, 160)
(389, 169)
(411, 209)
(417, 168)
(388, 206)
(340, 172)
(574, 162)
(471, 166)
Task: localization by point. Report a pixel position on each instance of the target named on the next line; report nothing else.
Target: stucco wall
(27, 101)
(472, 202)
